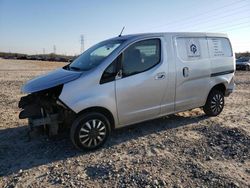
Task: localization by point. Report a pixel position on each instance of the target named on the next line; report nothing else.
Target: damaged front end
(42, 106)
(44, 109)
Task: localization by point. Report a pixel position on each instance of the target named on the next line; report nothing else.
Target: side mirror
(118, 75)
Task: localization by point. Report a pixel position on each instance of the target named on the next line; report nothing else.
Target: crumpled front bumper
(39, 113)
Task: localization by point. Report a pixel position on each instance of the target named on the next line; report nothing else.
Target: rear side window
(219, 47)
(141, 56)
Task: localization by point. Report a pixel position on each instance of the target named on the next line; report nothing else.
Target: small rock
(177, 186)
(235, 184)
(72, 184)
(156, 182)
(61, 181)
(162, 183)
(209, 158)
(248, 170)
(155, 151)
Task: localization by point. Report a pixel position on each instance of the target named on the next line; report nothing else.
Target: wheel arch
(101, 110)
(220, 86)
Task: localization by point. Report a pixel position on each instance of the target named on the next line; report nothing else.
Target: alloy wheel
(92, 133)
(217, 103)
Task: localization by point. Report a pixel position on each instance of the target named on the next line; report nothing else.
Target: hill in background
(41, 57)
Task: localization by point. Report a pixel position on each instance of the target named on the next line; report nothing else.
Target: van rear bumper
(230, 89)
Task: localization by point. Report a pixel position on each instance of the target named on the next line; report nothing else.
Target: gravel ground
(187, 149)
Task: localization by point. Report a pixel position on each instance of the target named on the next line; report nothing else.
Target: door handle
(185, 72)
(160, 76)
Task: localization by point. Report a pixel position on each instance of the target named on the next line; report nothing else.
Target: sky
(35, 26)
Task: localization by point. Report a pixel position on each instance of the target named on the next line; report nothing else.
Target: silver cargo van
(130, 79)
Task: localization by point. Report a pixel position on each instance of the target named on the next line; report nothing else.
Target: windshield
(242, 60)
(95, 55)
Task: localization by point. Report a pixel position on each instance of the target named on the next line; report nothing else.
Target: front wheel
(214, 104)
(90, 131)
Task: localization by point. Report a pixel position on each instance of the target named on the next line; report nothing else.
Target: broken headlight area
(44, 109)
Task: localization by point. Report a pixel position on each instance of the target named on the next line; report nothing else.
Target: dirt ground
(183, 150)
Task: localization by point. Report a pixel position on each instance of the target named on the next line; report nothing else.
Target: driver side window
(141, 56)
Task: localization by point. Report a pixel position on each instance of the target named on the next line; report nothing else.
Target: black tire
(214, 104)
(90, 131)
(247, 68)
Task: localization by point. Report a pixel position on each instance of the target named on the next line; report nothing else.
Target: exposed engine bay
(44, 109)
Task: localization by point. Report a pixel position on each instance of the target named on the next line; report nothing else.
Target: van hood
(49, 80)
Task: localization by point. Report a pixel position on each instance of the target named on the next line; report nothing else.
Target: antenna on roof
(121, 31)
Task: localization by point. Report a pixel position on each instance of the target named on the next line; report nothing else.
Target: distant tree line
(64, 58)
(40, 57)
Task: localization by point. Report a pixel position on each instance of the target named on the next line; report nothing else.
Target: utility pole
(54, 49)
(82, 43)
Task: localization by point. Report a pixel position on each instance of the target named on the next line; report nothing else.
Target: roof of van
(194, 34)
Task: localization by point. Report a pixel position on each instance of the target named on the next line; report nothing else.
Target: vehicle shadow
(17, 152)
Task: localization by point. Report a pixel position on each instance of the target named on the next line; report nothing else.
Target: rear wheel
(214, 104)
(90, 131)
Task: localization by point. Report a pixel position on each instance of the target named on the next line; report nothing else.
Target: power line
(236, 44)
(219, 18)
(240, 42)
(82, 43)
(211, 18)
(228, 26)
(54, 49)
(214, 26)
(217, 25)
(236, 28)
(198, 15)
